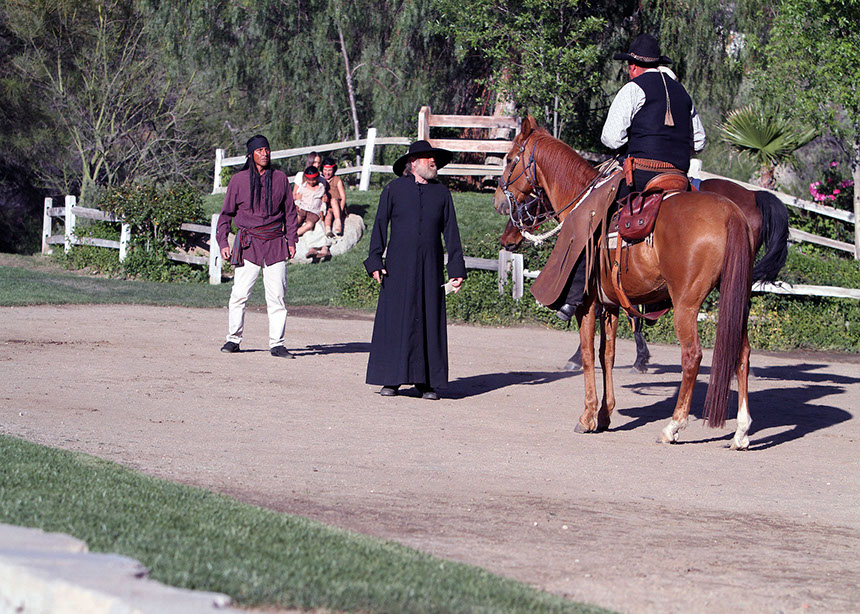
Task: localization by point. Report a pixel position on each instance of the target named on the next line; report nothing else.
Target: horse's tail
(735, 283)
(774, 235)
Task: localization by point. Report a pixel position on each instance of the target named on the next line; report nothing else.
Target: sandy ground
(492, 474)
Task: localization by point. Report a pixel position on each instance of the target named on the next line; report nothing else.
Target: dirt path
(492, 474)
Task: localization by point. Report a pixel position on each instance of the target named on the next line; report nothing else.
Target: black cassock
(410, 341)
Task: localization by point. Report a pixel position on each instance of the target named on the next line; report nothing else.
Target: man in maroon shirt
(259, 202)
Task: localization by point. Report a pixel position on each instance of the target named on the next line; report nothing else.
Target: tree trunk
(766, 177)
(350, 90)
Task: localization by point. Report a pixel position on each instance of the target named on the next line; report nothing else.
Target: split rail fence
(70, 213)
(426, 120)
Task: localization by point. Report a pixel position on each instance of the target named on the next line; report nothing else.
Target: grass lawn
(195, 539)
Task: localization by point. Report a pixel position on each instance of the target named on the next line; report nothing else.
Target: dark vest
(649, 137)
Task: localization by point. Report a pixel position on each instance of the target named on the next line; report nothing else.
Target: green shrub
(813, 265)
(360, 290)
(96, 260)
(155, 215)
(777, 322)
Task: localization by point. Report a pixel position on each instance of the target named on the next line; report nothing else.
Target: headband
(311, 175)
(256, 142)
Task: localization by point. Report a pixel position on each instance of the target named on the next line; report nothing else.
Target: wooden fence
(70, 213)
(798, 203)
(507, 264)
(510, 266)
(494, 124)
(426, 120)
(367, 167)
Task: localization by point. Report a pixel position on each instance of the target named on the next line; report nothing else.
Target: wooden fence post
(517, 274)
(364, 182)
(504, 260)
(70, 222)
(214, 253)
(424, 124)
(124, 238)
(216, 183)
(46, 226)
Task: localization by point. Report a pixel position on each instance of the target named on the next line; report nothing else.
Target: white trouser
(275, 283)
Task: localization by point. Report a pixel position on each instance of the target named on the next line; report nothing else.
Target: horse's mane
(571, 171)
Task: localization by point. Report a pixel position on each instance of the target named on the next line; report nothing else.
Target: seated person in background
(313, 159)
(337, 211)
(309, 200)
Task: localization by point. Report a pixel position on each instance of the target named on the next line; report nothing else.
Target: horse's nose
(502, 205)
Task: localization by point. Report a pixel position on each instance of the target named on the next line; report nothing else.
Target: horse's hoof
(671, 437)
(581, 429)
(638, 369)
(602, 428)
(743, 446)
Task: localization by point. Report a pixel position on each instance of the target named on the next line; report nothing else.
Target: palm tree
(766, 138)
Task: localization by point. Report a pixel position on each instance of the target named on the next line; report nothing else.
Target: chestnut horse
(767, 216)
(700, 240)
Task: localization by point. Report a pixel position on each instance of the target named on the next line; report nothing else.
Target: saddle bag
(637, 214)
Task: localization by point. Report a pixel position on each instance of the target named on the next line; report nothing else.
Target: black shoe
(279, 351)
(427, 393)
(566, 312)
(230, 347)
(388, 391)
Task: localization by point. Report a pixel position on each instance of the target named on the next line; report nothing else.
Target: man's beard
(425, 172)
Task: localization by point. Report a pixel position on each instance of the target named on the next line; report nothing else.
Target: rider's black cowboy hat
(645, 50)
(423, 149)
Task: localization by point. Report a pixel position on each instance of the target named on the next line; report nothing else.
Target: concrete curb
(42, 573)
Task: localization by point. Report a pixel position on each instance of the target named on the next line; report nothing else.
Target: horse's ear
(528, 125)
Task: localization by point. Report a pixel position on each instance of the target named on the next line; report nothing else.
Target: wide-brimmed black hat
(423, 148)
(644, 50)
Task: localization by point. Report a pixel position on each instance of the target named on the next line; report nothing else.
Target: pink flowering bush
(834, 191)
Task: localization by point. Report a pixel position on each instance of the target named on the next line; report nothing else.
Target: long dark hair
(259, 187)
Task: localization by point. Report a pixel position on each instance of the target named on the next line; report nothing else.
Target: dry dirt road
(492, 474)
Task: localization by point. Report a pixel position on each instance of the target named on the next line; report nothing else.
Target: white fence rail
(798, 203)
(367, 167)
(510, 266)
(426, 120)
(70, 213)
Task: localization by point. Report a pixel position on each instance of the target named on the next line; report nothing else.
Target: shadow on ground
(791, 410)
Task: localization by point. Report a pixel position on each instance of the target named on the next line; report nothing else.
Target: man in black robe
(410, 341)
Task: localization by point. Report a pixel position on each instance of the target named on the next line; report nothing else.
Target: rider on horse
(654, 117)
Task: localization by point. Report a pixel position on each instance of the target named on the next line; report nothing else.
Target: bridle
(521, 212)
(521, 216)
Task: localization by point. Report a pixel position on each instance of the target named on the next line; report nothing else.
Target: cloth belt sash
(244, 236)
(576, 232)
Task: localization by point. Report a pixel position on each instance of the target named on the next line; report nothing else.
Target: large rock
(353, 230)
